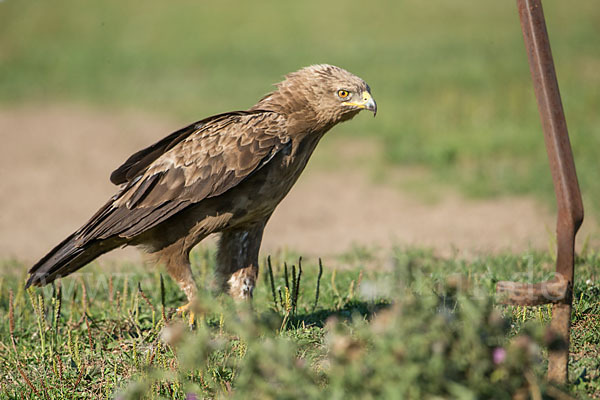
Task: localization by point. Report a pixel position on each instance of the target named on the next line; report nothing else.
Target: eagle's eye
(343, 93)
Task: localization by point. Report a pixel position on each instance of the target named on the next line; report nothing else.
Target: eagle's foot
(188, 308)
(241, 285)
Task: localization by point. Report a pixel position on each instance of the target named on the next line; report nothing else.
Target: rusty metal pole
(570, 208)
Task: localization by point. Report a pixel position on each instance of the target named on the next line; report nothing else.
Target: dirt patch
(55, 162)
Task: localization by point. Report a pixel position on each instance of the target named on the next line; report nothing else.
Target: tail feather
(112, 226)
(74, 252)
(66, 258)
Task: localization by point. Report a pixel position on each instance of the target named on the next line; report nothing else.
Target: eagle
(224, 174)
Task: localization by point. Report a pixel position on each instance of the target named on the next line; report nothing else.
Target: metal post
(570, 208)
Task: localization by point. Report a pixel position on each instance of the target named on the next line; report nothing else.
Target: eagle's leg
(237, 260)
(176, 258)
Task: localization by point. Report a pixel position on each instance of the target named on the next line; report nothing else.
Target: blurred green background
(450, 77)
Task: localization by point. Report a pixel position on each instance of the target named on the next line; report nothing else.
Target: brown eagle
(225, 173)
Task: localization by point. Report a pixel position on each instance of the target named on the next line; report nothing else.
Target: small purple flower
(498, 355)
(191, 396)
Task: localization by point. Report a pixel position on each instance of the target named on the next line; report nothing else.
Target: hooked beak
(366, 103)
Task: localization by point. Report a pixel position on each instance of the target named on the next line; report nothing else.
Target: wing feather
(140, 160)
(207, 159)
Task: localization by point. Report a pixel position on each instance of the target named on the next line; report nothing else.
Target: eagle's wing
(203, 160)
(140, 160)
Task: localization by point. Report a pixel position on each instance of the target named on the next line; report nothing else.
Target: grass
(451, 78)
(414, 326)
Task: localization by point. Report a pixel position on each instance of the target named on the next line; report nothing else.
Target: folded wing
(216, 156)
(203, 160)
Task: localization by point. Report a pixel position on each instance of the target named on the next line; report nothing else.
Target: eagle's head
(322, 94)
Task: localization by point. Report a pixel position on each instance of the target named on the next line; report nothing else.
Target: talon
(187, 308)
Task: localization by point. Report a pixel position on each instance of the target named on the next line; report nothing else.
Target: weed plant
(418, 327)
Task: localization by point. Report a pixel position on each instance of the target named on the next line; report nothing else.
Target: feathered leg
(237, 260)
(176, 259)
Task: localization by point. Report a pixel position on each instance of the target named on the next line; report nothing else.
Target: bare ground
(55, 162)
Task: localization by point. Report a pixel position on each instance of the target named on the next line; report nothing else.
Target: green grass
(450, 77)
(414, 326)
